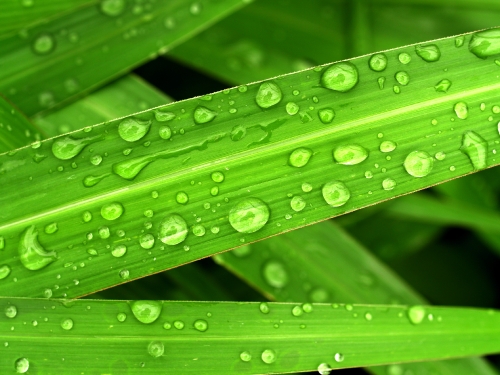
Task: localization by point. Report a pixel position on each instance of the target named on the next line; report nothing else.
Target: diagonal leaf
(232, 338)
(74, 53)
(197, 177)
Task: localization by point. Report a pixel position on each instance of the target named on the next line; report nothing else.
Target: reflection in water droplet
(202, 115)
(43, 44)
(476, 148)
(22, 365)
(387, 146)
(485, 43)
(403, 78)
(245, 356)
(292, 108)
(31, 254)
(335, 193)
(350, 154)
(339, 357)
(378, 62)
(340, 77)
(443, 85)
(275, 274)
(165, 132)
(132, 129)
(173, 230)
(324, 369)
(404, 58)
(428, 53)
(297, 203)
(249, 215)
(416, 314)
(418, 163)
(146, 311)
(4, 271)
(388, 184)
(201, 325)
(111, 211)
(264, 308)
(181, 197)
(11, 311)
(147, 241)
(119, 251)
(156, 349)
(326, 115)
(299, 157)
(112, 8)
(268, 356)
(269, 94)
(67, 324)
(461, 110)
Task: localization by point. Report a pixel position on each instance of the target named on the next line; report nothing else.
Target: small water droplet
(339, 357)
(112, 8)
(459, 41)
(428, 53)
(443, 85)
(307, 187)
(350, 154)
(297, 203)
(173, 230)
(326, 115)
(31, 253)
(156, 349)
(387, 146)
(44, 44)
(299, 157)
(146, 311)
(11, 311)
(268, 95)
(96, 159)
(22, 365)
(440, 155)
(268, 356)
(147, 241)
(340, 77)
(264, 308)
(121, 317)
(381, 82)
(165, 132)
(201, 325)
(368, 316)
(162, 115)
(202, 115)
(404, 58)
(245, 356)
(307, 307)
(378, 62)
(181, 197)
(461, 110)
(418, 163)
(476, 148)
(388, 184)
(167, 325)
(217, 176)
(66, 148)
(403, 78)
(275, 274)
(416, 314)
(199, 230)
(119, 251)
(179, 324)
(4, 271)
(335, 193)
(111, 211)
(249, 215)
(485, 43)
(292, 108)
(50, 228)
(67, 324)
(2, 242)
(297, 311)
(133, 129)
(324, 369)
(104, 232)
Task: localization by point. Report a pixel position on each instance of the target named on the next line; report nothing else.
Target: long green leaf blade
(214, 338)
(208, 174)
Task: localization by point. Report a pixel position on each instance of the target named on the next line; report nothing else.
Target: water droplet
(268, 356)
(249, 215)
(440, 155)
(350, 154)
(202, 115)
(181, 197)
(485, 43)
(133, 129)
(47, 293)
(146, 311)
(167, 325)
(44, 44)
(2, 242)
(297, 203)
(201, 325)
(124, 274)
(269, 94)
(416, 314)
(443, 85)
(306, 187)
(418, 163)
(388, 184)
(90, 181)
(324, 369)
(381, 82)
(121, 317)
(264, 308)
(104, 232)
(297, 311)
(341, 77)
(31, 254)
(403, 78)
(67, 324)
(326, 115)
(4, 271)
(179, 324)
(217, 176)
(404, 58)
(461, 110)
(378, 62)
(165, 132)
(66, 148)
(50, 228)
(22, 365)
(199, 230)
(147, 241)
(428, 53)
(119, 251)
(173, 229)
(299, 157)
(292, 108)
(11, 311)
(275, 274)
(111, 211)
(335, 193)
(476, 148)
(387, 146)
(368, 316)
(339, 357)
(459, 41)
(307, 307)
(112, 8)
(156, 349)
(245, 356)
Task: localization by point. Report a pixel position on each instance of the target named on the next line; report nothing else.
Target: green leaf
(214, 338)
(208, 174)
(73, 53)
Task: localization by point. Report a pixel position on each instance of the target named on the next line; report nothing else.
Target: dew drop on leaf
(461, 110)
(217, 176)
(31, 253)
(324, 369)
(404, 58)
(428, 53)
(275, 274)
(299, 157)
(268, 356)
(306, 187)
(264, 308)
(326, 115)
(249, 215)
(202, 115)
(335, 193)
(418, 163)
(178, 324)
(200, 325)
(44, 44)
(268, 95)
(121, 317)
(132, 129)
(297, 311)
(163, 116)
(476, 149)
(147, 241)
(485, 43)
(443, 85)
(245, 356)
(66, 148)
(67, 324)
(388, 184)
(4, 271)
(339, 357)
(156, 349)
(181, 197)
(292, 108)
(22, 365)
(146, 311)
(340, 77)
(11, 311)
(119, 251)
(416, 314)
(173, 230)
(165, 132)
(112, 211)
(403, 78)
(387, 146)
(199, 230)
(297, 203)
(378, 62)
(350, 154)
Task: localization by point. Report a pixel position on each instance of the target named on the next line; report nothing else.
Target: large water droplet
(268, 356)
(335, 193)
(173, 230)
(324, 369)
(350, 154)
(156, 349)
(112, 8)
(202, 115)
(11, 311)
(485, 43)
(4, 271)
(428, 53)
(245, 356)
(66, 148)
(403, 78)
(249, 215)
(461, 110)
(112, 211)
(201, 325)
(31, 254)
(378, 62)
(416, 314)
(275, 274)
(443, 85)
(22, 365)
(133, 129)
(299, 157)
(44, 44)
(146, 311)
(418, 163)
(269, 94)
(341, 77)
(476, 148)
(326, 115)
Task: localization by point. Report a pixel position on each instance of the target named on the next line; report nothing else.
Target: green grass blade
(77, 52)
(161, 181)
(90, 337)
(332, 267)
(127, 95)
